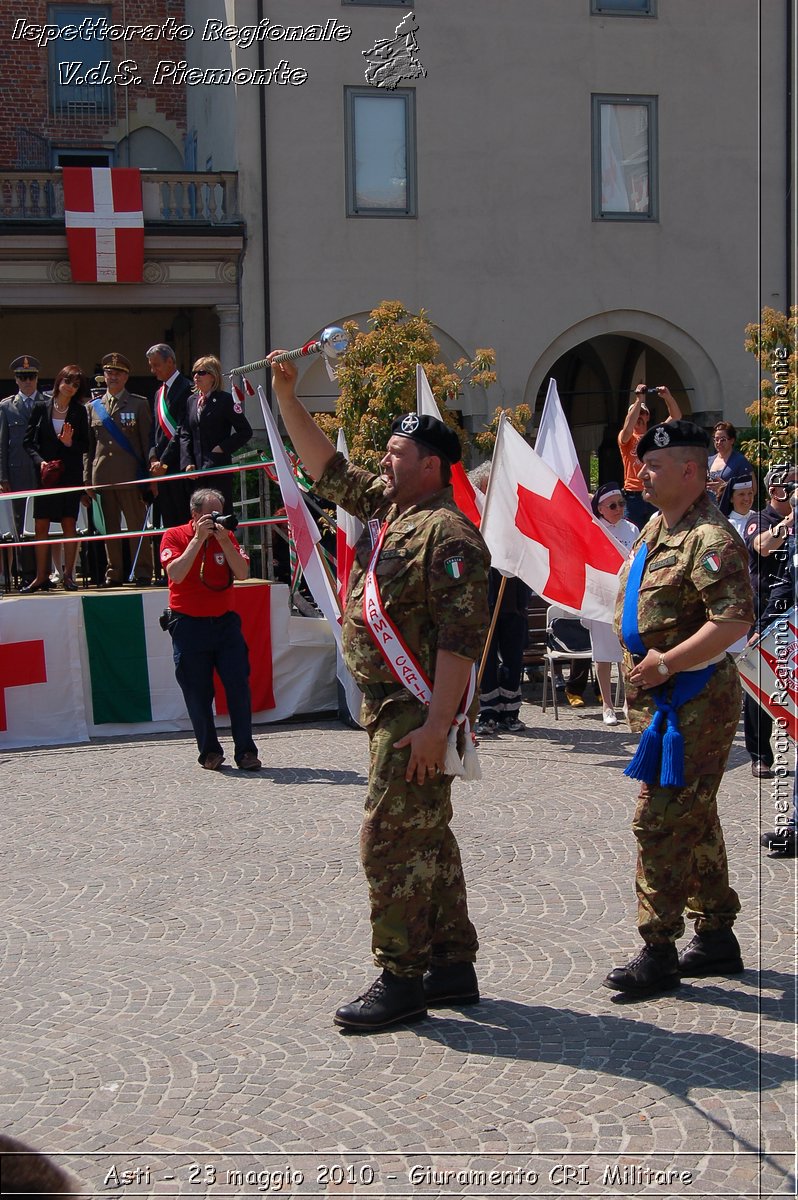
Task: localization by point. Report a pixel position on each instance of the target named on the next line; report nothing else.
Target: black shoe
(780, 842)
(716, 952)
(45, 586)
(655, 969)
(761, 770)
(390, 999)
(452, 985)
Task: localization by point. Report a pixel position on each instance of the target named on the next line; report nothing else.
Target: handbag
(52, 472)
(568, 634)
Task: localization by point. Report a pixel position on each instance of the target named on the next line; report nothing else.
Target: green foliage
(774, 341)
(520, 418)
(377, 378)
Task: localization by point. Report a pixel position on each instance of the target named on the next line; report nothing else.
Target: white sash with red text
(409, 673)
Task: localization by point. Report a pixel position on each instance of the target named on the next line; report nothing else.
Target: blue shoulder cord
(660, 753)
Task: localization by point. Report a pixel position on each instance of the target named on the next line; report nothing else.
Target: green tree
(520, 418)
(377, 378)
(774, 341)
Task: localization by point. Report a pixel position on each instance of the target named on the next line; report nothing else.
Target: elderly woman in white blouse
(607, 505)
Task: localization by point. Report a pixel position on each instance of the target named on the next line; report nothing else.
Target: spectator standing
(607, 505)
(56, 439)
(119, 442)
(173, 498)
(633, 429)
(765, 537)
(17, 471)
(741, 489)
(725, 464)
(215, 428)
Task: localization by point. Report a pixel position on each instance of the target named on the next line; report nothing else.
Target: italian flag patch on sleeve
(454, 567)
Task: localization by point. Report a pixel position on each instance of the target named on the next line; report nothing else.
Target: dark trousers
(757, 727)
(26, 561)
(200, 645)
(637, 510)
(500, 690)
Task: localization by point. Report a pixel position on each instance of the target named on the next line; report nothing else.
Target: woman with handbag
(57, 437)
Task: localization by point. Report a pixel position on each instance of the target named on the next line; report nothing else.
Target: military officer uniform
(109, 462)
(696, 571)
(432, 575)
(17, 470)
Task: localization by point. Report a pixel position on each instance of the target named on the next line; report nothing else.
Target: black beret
(601, 493)
(429, 432)
(672, 435)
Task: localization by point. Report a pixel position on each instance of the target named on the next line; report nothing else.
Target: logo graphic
(454, 567)
(393, 59)
(661, 438)
(712, 562)
(410, 423)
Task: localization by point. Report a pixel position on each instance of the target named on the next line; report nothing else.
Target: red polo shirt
(207, 590)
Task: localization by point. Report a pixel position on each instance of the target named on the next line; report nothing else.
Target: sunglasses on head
(26, 375)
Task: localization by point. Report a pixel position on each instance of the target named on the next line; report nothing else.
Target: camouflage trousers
(681, 861)
(419, 911)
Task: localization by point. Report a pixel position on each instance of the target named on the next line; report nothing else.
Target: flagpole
(493, 620)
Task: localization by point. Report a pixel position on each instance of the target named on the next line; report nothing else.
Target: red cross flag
(41, 695)
(104, 219)
(304, 529)
(537, 530)
(465, 497)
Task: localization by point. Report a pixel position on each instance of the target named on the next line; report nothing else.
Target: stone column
(229, 335)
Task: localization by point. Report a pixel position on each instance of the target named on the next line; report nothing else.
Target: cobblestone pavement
(175, 942)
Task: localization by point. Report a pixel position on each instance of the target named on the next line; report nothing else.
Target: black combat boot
(390, 999)
(714, 953)
(455, 984)
(655, 969)
(781, 842)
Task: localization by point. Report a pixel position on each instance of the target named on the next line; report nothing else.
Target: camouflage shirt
(432, 574)
(695, 572)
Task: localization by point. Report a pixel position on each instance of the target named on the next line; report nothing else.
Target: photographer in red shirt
(202, 560)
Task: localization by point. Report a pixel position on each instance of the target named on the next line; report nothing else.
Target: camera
(230, 522)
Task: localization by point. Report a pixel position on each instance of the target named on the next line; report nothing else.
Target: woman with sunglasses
(215, 428)
(726, 463)
(608, 505)
(58, 432)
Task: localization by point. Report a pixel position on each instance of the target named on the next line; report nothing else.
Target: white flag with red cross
(304, 530)
(104, 217)
(555, 445)
(41, 695)
(467, 499)
(348, 531)
(539, 531)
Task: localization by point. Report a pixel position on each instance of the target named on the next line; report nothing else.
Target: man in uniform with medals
(414, 625)
(684, 598)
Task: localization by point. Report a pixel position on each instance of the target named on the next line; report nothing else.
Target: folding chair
(565, 640)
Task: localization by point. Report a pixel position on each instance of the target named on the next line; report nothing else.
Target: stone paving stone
(174, 944)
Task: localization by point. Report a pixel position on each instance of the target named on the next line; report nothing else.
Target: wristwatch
(662, 666)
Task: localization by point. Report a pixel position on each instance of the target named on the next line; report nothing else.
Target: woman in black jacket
(215, 428)
(58, 432)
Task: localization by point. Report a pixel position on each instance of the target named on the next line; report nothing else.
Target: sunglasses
(615, 504)
(72, 380)
(26, 375)
(200, 373)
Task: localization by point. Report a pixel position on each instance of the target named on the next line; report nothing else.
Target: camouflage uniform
(695, 572)
(432, 575)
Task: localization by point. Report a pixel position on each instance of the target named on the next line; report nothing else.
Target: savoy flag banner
(104, 218)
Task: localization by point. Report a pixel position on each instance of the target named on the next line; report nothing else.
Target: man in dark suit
(171, 399)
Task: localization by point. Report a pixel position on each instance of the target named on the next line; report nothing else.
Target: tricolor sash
(660, 754)
(164, 415)
(406, 670)
(116, 433)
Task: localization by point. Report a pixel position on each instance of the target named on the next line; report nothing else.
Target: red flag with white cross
(537, 530)
(104, 217)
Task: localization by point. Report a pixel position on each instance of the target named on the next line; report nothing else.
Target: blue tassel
(672, 774)
(645, 764)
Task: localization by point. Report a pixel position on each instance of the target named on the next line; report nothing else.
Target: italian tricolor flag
(131, 670)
